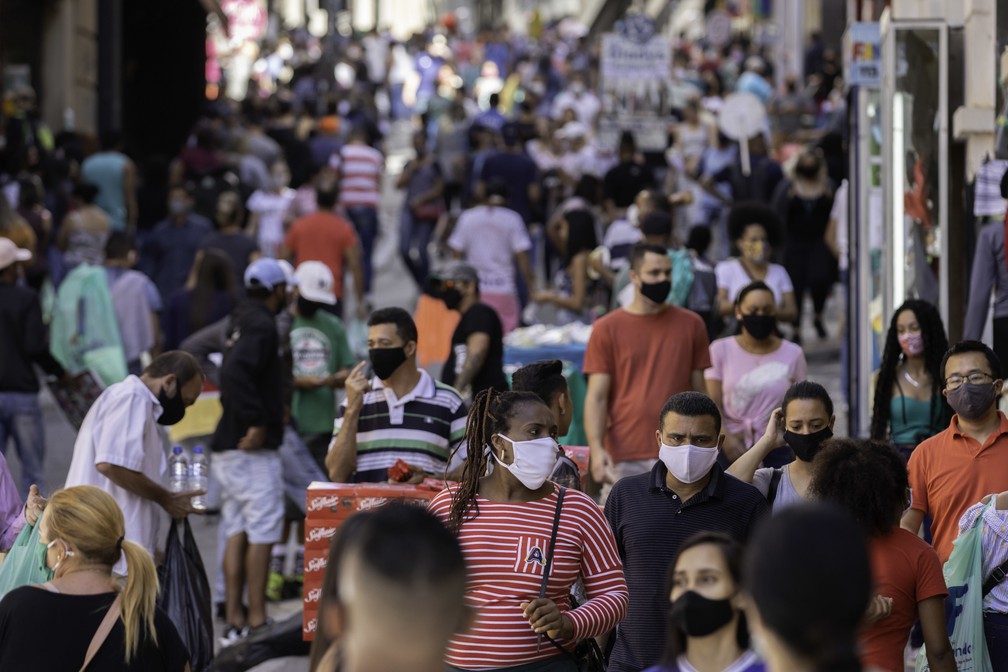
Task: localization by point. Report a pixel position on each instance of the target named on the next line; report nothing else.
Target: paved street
(393, 286)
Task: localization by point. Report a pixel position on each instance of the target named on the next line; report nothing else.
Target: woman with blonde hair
(101, 625)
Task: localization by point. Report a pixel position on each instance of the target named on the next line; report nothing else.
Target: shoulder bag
(586, 655)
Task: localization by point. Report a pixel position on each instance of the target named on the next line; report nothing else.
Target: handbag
(102, 633)
(430, 211)
(586, 655)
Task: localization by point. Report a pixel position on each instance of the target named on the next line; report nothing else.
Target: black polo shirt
(650, 523)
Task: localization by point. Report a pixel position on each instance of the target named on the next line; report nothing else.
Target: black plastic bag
(277, 640)
(185, 595)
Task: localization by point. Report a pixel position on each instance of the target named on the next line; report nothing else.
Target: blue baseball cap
(265, 272)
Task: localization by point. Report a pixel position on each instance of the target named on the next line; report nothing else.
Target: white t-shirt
(733, 277)
(271, 208)
(489, 237)
(121, 429)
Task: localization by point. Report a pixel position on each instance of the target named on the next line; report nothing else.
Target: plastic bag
(278, 640)
(964, 605)
(185, 595)
(25, 562)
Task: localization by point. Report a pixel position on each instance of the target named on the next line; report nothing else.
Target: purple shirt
(11, 508)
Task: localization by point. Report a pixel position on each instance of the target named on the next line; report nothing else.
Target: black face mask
(386, 361)
(805, 446)
(452, 298)
(699, 616)
(759, 327)
(307, 308)
(656, 291)
(809, 172)
(172, 408)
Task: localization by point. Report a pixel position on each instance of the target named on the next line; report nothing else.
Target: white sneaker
(232, 636)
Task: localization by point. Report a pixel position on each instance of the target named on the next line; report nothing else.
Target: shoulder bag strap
(996, 577)
(775, 479)
(552, 543)
(102, 633)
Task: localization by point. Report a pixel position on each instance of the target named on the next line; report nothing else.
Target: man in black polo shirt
(652, 514)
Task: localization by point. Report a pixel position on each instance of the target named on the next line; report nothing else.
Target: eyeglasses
(975, 378)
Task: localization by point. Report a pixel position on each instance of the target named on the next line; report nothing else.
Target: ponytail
(139, 596)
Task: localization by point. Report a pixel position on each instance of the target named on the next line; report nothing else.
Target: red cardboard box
(319, 533)
(309, 624)
(315, 561)
(312, 592)
(338, 500)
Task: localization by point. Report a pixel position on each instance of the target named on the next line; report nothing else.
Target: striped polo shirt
(650, 522)
(360, 169)
(422, 428)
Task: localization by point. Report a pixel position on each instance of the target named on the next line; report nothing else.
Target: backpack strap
(775, 479)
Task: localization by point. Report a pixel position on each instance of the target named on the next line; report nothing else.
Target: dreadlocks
(935, 345)
(488, 415)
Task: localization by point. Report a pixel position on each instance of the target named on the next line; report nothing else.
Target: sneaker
(232, 635)
(259, 628)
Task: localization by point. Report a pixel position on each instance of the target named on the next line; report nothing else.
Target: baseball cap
(265, 272)
(315, 282)
(11, 253)
(288, 272)
(458, 270)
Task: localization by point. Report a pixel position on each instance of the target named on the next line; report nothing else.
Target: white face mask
(534, 460)
(688, 463)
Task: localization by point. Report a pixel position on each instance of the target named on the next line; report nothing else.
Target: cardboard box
(318, 534)
(309, 624)
(339, 500)
(315, 561)
(312, 593)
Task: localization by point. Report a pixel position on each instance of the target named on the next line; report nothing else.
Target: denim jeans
(414, 236)
(996, 632)
(21, 420)
(365, 221)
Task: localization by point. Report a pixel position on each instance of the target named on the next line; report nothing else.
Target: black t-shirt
(625, 180)
(480, 318)
(237, 246)
(50, 632)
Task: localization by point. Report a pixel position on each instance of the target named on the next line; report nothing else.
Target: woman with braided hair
(909, 406)
(503, 513)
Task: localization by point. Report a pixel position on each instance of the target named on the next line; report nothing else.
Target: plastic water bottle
(199, 476)
(178, 470)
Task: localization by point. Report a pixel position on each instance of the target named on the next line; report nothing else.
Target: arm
(744, 468)
(433, 193)
(936, 641)
(208, 340)
(788, 309)
(579, 280)
(477, 349)
(912, 520)
(595, 413)
(129, 195)
(732, 447)
(177, 504)
(525, 268)
(726, 307)
(353, 262)
(406, 175)
(341, 460)
(697, 381)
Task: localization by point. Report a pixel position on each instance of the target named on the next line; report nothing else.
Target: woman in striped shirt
(504, 521)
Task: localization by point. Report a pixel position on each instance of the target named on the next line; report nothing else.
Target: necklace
(909, 378)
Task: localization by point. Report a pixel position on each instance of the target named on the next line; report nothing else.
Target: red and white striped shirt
(360, 169)
(505, 548)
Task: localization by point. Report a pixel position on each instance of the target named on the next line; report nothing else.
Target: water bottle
(178, 470)
(199, 477)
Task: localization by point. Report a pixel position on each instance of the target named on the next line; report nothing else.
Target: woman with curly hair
(869, 480)
(755, 230)
(503, 511)
(909, 406)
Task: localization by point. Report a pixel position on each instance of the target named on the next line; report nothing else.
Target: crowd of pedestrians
(719, 526)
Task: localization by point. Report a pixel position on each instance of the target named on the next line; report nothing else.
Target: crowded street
(484, 336)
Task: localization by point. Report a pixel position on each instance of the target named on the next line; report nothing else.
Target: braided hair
(488, 415)
(935, 345)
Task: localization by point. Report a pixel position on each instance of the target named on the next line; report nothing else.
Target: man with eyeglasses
(954, 469)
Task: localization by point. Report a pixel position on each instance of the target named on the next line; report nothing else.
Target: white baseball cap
(11, 253)
(315, 282)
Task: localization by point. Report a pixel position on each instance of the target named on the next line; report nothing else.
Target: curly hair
(935, 345)
(866, 478)
(747, 213)
(488, 415)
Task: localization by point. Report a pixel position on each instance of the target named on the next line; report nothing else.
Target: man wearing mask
(632, 365)
(651, 514)
(168, 254)
(120, 448)
(955, 469)
(401, 413)
(245, 460)
(321, 355)
(476, 360)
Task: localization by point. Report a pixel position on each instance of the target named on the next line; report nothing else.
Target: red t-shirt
(648, 358)
(906, 569)
(325, 237)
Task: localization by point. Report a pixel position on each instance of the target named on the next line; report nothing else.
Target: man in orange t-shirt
(636, 359)
(325, 236)
(955, 469)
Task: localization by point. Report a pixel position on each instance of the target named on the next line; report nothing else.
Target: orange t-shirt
(649, 358)
(951, 472)
(325, 237)
(906, 569)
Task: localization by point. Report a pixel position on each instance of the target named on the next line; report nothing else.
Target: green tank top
(910, 419)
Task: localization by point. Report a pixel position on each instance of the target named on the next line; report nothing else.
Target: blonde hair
(90, 519)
